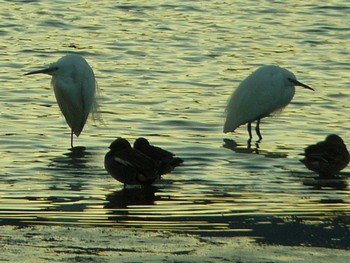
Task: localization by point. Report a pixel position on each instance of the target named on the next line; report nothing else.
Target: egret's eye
(294, 81)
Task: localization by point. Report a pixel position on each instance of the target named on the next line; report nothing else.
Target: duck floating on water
(130, 166)
(328, 157)
(165, 159)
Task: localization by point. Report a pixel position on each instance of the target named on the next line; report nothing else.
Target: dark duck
(327, 158)
(130, 166)
(165, 159)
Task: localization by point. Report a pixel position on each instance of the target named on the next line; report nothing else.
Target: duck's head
(120, 144)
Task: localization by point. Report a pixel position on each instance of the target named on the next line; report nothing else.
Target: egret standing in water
(74, 85)
(265, 91)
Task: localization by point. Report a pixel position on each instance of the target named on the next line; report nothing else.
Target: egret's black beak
(297, 83)
(44, 71)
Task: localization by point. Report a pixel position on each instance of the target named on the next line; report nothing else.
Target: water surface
(165, 71)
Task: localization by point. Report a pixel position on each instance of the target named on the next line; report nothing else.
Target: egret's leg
(249, 143)
(249, 128)
(71, 139)
(257, 129)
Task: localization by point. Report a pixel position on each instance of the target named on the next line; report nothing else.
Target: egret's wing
(69, 100)
(88, 90)
(245, 104)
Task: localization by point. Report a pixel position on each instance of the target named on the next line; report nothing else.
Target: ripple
(165, 72)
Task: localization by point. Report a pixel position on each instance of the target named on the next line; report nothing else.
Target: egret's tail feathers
(77, 129)
(230, 125)
(96, 115)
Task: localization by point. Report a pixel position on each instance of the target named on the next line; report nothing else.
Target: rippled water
(165, 71)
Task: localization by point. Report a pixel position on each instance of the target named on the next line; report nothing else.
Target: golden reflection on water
(165, 71)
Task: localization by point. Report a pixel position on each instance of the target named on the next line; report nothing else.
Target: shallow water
(165, 72)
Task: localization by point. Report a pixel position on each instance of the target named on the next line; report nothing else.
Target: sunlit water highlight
(165, 72)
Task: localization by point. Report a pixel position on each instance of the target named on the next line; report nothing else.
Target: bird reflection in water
(234, 146)
(134, 195)
(75, 158)
(71, 170)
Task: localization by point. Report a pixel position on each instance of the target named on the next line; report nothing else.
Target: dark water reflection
(73, 164)
(131, 196)
(330, 232)
(75, 158)
(249, 148)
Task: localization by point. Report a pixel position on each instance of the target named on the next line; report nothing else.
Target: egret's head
(66, 66)
(291, 80)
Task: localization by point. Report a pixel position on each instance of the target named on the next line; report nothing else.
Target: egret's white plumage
(74, 84)
(265, 91)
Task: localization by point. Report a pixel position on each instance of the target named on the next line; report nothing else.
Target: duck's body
(130, 166)
(328, 157)
(166, 160)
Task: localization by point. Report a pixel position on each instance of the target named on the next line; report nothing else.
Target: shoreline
(38, 243)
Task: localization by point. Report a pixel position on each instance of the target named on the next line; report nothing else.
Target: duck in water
(129, 166)
(327, 158)
(165, 159)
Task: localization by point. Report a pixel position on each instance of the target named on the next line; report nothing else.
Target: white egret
(166, 160)
(129, 166)
(74, 85)
(327, 157)
(265, 91)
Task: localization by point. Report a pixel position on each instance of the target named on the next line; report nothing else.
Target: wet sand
(83, 244)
